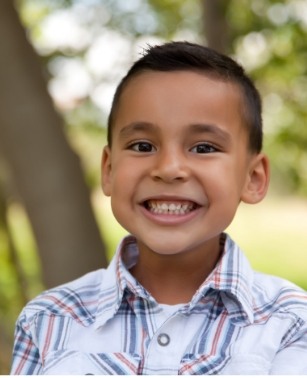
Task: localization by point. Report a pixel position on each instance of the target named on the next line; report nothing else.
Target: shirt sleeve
(26, 357)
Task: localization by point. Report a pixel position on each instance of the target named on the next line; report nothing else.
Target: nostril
(171, 166)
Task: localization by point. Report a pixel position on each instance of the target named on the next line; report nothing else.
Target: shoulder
(77, 299)
(275, 295)
(266, 294)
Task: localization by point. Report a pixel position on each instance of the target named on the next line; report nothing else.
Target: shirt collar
(232, 277)
(117, 281)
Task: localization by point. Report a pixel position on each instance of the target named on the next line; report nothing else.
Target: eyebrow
(202, 128)
(134, 127)
(197, 128)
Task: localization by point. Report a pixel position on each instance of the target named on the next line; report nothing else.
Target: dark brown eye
(142, 147)
(204, 148)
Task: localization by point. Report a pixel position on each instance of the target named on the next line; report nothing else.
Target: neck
(173, 279)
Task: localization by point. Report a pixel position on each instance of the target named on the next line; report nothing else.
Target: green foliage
(270, 37)
(19, 279)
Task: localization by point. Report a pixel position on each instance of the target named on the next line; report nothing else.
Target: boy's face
(179, 164)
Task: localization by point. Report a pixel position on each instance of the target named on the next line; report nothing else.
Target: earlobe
(257, 182)
(106, 171)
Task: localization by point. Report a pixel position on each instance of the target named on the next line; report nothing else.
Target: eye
(142, 147)
(204, 148)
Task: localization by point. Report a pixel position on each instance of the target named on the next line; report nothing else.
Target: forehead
(180, 97)
(190, 81)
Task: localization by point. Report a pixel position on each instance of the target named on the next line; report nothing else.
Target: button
(163, 339)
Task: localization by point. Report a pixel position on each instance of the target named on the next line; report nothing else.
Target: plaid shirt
(238, 322)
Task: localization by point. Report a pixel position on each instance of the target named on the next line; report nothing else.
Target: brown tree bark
(215, 26)
(46, 171)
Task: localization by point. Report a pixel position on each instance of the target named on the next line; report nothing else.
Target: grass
(273, 234)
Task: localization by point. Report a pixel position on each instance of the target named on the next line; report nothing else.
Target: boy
(179, 297)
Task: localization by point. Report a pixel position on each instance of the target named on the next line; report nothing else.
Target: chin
(166, 250)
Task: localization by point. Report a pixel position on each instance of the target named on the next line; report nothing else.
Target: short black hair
(187, 56)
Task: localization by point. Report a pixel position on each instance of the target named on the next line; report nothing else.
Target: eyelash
(133, 146)
(209, 148)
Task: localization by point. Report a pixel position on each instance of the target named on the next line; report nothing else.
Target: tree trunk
(215, 24)
(46, 171)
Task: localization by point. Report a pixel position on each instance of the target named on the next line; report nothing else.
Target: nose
(170, 165)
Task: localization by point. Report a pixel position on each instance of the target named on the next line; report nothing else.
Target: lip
(170, 218)
(169, 198)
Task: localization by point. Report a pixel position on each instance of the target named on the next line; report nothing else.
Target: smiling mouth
(170, 207)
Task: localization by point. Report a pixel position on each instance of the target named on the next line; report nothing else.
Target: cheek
(124, 180)
(223, 184)
(122, 201)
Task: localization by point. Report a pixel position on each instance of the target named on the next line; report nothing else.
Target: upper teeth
(169, 208)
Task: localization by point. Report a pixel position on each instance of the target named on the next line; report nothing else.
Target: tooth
(164, 206)
(172, 206)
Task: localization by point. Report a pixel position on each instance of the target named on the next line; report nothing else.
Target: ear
(106, 171)
(257, 181)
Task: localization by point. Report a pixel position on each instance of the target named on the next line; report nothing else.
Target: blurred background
(60, 61)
